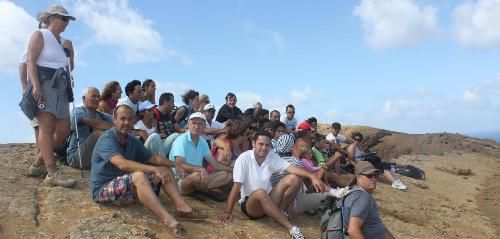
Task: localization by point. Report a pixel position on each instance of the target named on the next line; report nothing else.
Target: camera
(41, 105)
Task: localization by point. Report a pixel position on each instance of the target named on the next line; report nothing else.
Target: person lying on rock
(124, 171)
(251, 176)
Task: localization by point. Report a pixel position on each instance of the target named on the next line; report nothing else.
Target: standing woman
(110, 94)
(46, 59)
(149, 91)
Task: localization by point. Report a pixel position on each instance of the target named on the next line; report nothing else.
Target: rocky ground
(459, 199)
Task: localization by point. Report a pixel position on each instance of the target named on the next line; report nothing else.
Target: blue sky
(414, 66)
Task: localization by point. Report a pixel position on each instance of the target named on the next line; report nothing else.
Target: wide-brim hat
(52, 10)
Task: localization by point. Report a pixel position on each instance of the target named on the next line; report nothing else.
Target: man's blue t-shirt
(84, 130)
(107, 146)
(193, 154)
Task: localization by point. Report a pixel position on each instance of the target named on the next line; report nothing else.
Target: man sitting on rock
(252, 172)
(123, 171)
(90, 126)
(361, 208)
(188, 152)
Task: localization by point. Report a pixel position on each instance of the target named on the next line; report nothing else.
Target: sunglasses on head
(372, 175)
(61, 17)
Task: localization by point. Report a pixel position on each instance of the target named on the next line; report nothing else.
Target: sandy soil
(459, 199)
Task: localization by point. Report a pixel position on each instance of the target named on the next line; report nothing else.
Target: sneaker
(58, 179)
(398, 185)
(339, 192)
(37, 170)
(296, 233)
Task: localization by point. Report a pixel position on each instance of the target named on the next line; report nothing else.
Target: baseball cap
(197, 115)
(365, 168)
(209, 107)
(146, 105)
(304, 126)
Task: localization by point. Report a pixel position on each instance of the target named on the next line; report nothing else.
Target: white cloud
(484, 95)
(16, 26)
(304, 96)
(115, 23)
(265, 35)
(476, 23)
(396, 23)
(248, 99)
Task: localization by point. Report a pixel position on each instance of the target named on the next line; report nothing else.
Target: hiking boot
(37, 170)
(398, 185)
(58, 179)
(296, 233)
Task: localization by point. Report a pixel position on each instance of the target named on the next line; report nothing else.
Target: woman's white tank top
(52, 54)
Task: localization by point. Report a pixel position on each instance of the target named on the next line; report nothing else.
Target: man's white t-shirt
(126, 101)
(289, 124)
(213, 125)
(252, 176)
(339, 139)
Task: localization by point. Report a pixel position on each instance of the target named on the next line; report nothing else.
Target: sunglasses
(372, 175)
(61, 17)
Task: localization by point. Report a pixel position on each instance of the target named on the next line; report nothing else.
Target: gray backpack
(333, 223)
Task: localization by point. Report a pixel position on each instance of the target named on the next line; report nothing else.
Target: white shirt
(213, 125)
(339, 139)
(126, 101)
(52, 54)
(252, 176)
(141, 125)
(289, 124)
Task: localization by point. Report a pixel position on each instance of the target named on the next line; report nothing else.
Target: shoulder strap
(345, 221)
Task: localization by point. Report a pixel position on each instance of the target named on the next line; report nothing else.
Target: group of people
(134, 146)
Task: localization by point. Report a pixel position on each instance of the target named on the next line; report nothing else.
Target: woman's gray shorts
(54, 92)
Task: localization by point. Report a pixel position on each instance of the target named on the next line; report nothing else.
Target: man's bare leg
(147, 197)
(259, 203)
(285, 191)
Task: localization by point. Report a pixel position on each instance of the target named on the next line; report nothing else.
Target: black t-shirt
(164, 124)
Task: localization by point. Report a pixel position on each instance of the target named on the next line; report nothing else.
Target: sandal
(178, 231)
(193, 215)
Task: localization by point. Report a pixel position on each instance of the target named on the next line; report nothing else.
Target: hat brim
(353, 180)
(41, 16)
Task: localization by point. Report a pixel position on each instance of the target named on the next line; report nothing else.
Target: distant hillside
(391, 145)
(493, 135)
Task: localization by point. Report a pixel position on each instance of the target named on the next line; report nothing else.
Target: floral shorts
(118, 192)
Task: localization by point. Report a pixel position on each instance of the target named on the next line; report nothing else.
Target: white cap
(209, 107)
(198, 115)
(146, 105)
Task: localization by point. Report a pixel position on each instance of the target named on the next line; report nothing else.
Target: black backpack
(410, 171)
(333, 223)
